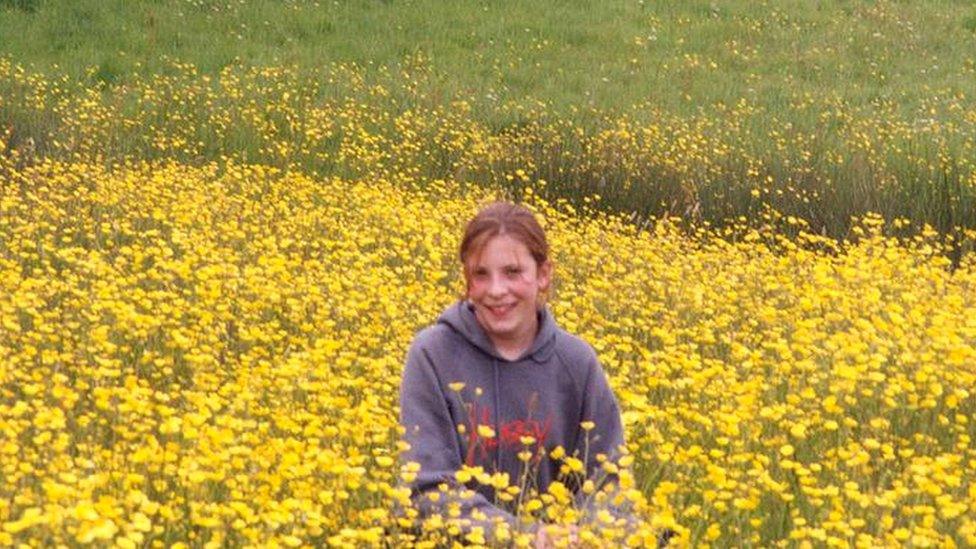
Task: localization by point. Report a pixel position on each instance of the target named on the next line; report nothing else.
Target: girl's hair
(504, 218)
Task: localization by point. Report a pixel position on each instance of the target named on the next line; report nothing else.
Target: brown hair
(504, 218)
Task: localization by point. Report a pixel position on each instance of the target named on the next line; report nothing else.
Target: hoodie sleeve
(605, 436)
(431, 434)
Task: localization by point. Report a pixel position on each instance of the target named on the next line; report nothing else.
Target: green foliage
(969, 23)
(22, 5)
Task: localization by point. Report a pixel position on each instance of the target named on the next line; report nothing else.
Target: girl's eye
(513, 271)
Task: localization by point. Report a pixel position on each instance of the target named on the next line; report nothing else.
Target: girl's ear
(545, 276)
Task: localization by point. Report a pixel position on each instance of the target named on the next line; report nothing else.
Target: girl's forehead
(501, 249)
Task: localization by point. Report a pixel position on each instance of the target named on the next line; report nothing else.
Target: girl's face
(504, 283)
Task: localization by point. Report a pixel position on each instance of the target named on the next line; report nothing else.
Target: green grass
(607, 54)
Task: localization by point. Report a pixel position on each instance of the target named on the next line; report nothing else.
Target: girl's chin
(495, 322)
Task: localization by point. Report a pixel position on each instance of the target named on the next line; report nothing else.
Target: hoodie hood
(460, 317)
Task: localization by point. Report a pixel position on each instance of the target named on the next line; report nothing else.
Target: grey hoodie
(546, 393)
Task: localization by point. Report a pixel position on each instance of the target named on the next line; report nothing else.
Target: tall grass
(829, 162)
(707, 111)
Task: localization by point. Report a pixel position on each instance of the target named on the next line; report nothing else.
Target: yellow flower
(575, 465)
(101, 529)
(29, 518)
(799, 430)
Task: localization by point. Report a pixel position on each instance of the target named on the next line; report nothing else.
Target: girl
(496, 383)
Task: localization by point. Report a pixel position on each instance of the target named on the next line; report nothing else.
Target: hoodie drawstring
(494, 363)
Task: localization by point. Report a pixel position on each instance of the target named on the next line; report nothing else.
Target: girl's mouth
(500, 311)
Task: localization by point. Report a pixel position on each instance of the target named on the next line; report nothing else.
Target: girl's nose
(496, 286)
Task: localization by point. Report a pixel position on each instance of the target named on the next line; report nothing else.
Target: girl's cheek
(522, 289)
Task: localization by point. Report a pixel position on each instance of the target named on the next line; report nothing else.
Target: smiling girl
(495, 376)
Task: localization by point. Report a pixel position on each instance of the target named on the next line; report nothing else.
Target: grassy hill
(609, 54)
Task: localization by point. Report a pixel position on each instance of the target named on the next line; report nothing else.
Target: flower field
(223, 222)
(210, 355)
(823, 160)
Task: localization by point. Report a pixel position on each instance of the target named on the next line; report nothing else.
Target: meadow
(703, 110)
(221, 224)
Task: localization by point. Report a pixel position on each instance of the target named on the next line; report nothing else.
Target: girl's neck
(511, 349)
